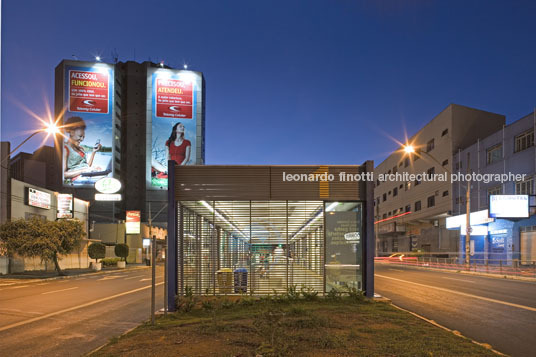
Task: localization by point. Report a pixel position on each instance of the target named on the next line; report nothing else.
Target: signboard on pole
(37, 198)
(65, 206)
(133, 222)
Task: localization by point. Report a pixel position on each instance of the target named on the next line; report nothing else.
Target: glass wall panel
(343, 226)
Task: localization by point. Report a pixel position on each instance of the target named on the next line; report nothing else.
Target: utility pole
(468, 215)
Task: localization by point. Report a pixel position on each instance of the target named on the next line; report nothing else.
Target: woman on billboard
(178, 148)
(76, 162)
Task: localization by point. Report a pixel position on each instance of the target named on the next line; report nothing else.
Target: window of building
(524, 141)
(458, 165)
(525, 187)
(497, 190)
(417, 155)
(377, 183)
(494, 154)
(431, 201)
(417, 206)
(445, 132)
(417, 182)
(395, 245)
(445, 193)
(430, 145)
(395, 169)
(401, 210)
(389, 172)
(460, 200)
(401, 186)
(408, 208)
(445, 163)
(430, 173)
(395, 191)
(400, 164)
(408, 185)
(384, 198)
(406, 162)
(384, 215)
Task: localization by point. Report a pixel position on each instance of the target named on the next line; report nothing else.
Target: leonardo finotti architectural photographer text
(403, 177)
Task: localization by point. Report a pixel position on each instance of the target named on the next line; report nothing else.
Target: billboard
(87, 122)
(37, 198)
(509, 206)
(174, 122)
(65, 206)
(133, 222)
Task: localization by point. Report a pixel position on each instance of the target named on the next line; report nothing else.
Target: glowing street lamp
(50, 128)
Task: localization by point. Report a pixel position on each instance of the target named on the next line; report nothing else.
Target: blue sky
(288, 82)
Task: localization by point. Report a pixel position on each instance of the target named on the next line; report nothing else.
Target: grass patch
(310, 326)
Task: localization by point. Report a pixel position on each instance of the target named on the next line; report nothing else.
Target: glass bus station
(256, 230)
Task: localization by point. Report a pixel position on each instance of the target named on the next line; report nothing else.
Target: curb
(106, 344)
(455, 332)
(38, 280)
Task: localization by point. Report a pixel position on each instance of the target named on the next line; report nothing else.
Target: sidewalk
(41, 275)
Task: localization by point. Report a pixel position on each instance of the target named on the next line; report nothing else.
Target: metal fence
(514, 267)
(250, 247)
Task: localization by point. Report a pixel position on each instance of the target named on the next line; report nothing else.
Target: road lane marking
(146, 279)
(20, 323)
(403, 271)
(110, 277)
(18, 287)
(42, 284)
(134, 277)
(459, 293)
(57, 291)
(7, 284)
(468, 281)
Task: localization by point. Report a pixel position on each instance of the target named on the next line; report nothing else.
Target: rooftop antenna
(115, 55)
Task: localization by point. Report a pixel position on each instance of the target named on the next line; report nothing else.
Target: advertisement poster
(174, 95)
(133, 222)
(87, 124)
(65, 206)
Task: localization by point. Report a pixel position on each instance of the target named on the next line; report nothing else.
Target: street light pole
(409, 149)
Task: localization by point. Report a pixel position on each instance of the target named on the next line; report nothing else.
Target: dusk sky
(288, 82)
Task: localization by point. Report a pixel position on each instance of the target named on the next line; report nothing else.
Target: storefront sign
(38, 198)
(133, 222)
(509, 206)
(65, 206)
(108, 185)
(476, 218)
(107, 197)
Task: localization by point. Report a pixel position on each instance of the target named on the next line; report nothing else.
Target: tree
(121, 250)
(47, 240)
(96, 251)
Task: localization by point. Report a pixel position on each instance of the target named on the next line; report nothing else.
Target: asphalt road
(499, 312)
(71, 317)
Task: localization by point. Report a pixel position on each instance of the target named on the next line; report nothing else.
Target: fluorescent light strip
(212, 210)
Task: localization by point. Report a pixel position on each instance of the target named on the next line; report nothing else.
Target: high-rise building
(127, 111)
(410, 214)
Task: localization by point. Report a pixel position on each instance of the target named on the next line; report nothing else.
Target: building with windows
(508, 151)
(410, 212)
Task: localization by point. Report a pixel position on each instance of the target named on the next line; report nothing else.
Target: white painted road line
(110, 277)
(3, 328)
(397, 270)
(17, 287)
(146, 279)
(459, 293)
(468, 281)
(134, 277)
(57, 291)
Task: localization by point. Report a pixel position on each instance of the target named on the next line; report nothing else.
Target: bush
(110, 261)
(96, 251)
(121, 250)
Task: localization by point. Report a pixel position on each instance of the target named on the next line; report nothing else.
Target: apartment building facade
(410, 213)
(509, 151)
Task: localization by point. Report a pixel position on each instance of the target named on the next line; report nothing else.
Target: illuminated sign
(38, 198)
(476, 218)
(86, 92)
(133, 222)
(146, 242)
(509, 206)
(176, 119)
(107, 197)
(65, 206)
(108, 185)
